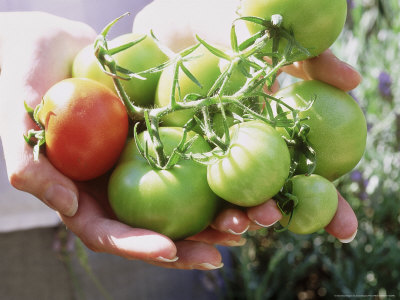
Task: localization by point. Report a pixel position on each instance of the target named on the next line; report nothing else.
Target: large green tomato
(255, 166)
(206, 67)
(338, 129)
(176, 202)
(316, 24)
(317, 204)
(139, 57)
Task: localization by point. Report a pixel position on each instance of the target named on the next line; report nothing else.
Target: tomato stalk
(244, 58)
(110, 67)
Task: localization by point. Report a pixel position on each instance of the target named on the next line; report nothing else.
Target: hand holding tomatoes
(108, 235)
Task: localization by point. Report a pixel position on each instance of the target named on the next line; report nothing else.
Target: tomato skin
(86, 126)
(317, 204)
(255, 166)
(206, 67)
(338, 129)
(139, 57)
(316, 24)
(176, 202)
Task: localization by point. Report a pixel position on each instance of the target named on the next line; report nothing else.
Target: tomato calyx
(35, 138)
(161, 161)
(272, 30)
(296, 136)
(286, 202)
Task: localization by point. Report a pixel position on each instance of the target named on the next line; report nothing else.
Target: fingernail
(239, 233)
(208, 266)
(167, 260)
(61, 199)
(233, 243)
(264, 225)
(348, 240)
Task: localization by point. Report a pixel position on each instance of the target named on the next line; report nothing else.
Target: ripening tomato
(86, 126)
(317, 204)
(338, 129)
(142, 56)
(255, 166)
(316, 24)
(176, 202)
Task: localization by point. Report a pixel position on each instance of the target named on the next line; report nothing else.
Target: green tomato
(139, 57)
(316, 24)
(338, 129)
(176, 202)
(255, 166)
(206, 67)
(317, 204)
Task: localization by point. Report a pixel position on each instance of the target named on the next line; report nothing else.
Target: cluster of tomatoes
(172, 178)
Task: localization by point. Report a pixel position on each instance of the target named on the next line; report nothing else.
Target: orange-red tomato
(86, 126)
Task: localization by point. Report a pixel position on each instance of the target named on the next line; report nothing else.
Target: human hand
(36, 52)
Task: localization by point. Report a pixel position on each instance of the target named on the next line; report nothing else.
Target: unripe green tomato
(317, 204)
(255, 166)
(316, 24)
(176, 202)
(139, 57)
(338, 129)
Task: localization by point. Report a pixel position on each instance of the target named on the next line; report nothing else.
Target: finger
(328, 68)
(295, 69)
(194, 255)
(344, 224)
(265, 215)
(101, 234)
(212, 236)
(231, 220)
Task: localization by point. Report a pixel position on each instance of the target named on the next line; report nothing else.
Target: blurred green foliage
(287, 266)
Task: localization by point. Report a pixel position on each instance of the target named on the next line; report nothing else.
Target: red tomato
(86, 126)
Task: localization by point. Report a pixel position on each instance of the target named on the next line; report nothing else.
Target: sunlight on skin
(138, 243)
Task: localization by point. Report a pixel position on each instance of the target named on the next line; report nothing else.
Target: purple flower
(356, 176)
(385, 85)
(350, 4)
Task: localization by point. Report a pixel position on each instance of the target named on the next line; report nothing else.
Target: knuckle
(18, 178)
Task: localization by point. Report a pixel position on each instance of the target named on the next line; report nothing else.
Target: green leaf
(190, 75)
(250, 41)
(106, 29)
(168, 52)
(255, 20)
(129, 74)
(234, 41)
(214, 50)
(123, 47)
(189, 50)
